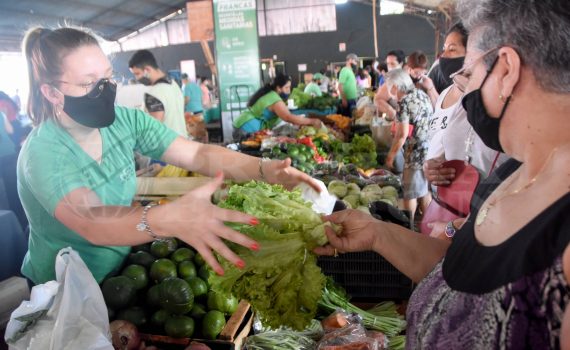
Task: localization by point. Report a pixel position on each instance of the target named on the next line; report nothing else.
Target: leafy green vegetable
(360, 152)
(280, 340)
(383, 318)
(282, 280)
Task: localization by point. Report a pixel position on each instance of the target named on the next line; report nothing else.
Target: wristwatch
(450, 229)
(143, 225)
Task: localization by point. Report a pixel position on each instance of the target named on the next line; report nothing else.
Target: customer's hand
(281, 172)
(359, 233)
(426, 83)
(195, 220)
(437, 229)
(436, 174)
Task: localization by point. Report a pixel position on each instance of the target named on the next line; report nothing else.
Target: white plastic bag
(323, 202)
(381, 133)
(76, 316)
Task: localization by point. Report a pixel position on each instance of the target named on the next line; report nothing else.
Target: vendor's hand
(436, 174)
(358, 233)
(195, 220)
(316, 123)
(281, 172)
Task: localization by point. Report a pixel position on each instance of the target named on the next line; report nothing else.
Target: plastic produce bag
(350, 337)
(381, 132)
(322, 203)
(69, 313)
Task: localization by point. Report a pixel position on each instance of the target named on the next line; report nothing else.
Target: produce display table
(148, 187)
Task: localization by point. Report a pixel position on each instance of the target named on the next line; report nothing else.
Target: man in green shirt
(347, 85)
(313, 87)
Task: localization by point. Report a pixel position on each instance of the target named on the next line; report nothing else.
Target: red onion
(125, 335)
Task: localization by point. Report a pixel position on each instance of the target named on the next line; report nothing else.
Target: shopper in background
(193, 97)
(416, 66)
(414, 111)
(205, 87)
(451, 60)
(76, 174)
(381, 70)
(266, 109)
(362, 79)
(313, 88)
(325, 81)
(395, 59)
(502, 283)
(347, 85)
(164, 101)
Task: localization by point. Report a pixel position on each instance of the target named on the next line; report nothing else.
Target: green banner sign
(237, 57)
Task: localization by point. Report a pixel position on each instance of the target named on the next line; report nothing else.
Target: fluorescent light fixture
(388, 7)
(338, 2)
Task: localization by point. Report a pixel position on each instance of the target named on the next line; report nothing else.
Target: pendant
(481, 216)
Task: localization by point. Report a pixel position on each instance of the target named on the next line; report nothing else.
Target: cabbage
(353, 189)
(353, 200)
(390, 191)
(338, 188)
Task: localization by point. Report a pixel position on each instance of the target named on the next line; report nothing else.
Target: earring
(57, 111)
(501, 98)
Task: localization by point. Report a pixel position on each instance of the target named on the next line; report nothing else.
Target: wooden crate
(232, 336)
(150, 188)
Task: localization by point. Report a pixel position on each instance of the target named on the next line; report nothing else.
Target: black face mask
(486, 127)
(354, 67)
(96, 109)
(284, 96)
(415, 80)
(449, 66)
(145, 81)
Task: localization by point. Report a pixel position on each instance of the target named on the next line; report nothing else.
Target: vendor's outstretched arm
(282, 112)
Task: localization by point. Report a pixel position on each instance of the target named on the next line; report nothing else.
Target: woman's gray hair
(539, 30)
(400, 79)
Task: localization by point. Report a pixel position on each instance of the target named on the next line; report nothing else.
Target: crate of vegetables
(163, 291)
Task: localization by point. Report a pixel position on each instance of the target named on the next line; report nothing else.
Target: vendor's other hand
(436, 174)
(281, 172)
(358, 233)
(316, 123)
(195, 220)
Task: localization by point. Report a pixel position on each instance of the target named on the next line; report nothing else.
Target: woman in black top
(503, 281)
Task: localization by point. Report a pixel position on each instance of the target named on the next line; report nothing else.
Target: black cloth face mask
(449, 66)
(96, 109)
(486, 127)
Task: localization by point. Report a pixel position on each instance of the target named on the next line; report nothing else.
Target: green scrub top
(348, 81)
(259, 111)
(313, 89)
(52, 164)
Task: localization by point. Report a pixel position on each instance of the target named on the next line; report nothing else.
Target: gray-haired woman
(412, 120)
(502, 283)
